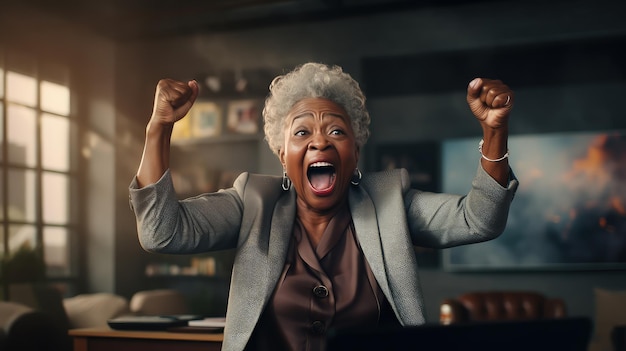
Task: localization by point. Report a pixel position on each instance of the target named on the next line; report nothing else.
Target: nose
(319, 141)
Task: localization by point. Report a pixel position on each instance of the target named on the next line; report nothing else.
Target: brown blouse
(330, 286)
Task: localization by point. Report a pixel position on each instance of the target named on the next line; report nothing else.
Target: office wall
(408, 118)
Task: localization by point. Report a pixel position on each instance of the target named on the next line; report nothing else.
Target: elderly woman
(325, 246)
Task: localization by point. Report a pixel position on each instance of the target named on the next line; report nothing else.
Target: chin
(326, 202)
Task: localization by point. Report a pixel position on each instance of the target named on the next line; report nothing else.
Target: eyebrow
(324, 114)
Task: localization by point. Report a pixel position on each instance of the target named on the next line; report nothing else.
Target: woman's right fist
(173, 99)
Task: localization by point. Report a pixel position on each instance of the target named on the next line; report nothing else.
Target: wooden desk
(106, 339)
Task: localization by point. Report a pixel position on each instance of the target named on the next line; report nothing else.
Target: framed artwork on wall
(569, 212)
(244, 116)
(206, 119)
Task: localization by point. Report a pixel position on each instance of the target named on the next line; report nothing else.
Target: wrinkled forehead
(317, 107)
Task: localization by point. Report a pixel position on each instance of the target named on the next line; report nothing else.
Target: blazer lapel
(380, 222)
(366, 228)
(280, 237)
(260, 260)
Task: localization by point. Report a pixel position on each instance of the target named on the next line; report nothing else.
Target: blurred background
(77, 80)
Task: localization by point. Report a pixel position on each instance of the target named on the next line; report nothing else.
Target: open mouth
(321, 176)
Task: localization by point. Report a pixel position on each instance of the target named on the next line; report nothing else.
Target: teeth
(321, 164)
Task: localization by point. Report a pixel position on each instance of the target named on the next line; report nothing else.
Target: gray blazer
(256, 217)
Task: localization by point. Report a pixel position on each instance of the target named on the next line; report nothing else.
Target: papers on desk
(211, 322)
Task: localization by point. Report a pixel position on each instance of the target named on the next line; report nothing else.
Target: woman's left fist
(491, 102)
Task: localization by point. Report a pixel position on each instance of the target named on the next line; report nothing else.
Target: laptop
(563, 334)
(132, 322)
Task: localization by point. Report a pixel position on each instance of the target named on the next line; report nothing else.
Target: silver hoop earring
(356, 177)
(286, 184)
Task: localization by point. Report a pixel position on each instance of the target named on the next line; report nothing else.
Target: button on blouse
(330, 286)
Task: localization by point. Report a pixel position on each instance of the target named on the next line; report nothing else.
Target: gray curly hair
(314, 80)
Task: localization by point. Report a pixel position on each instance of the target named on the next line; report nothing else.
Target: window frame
(42, 71)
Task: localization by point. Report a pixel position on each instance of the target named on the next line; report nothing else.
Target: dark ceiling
(135, 19)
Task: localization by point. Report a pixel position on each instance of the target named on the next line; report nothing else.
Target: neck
(316, 221)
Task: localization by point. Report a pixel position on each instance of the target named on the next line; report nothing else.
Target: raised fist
(491, 102)
(172, 100)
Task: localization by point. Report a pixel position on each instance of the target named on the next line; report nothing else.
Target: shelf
(230, 138)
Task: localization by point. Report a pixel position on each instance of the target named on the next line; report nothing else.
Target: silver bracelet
(480, 149)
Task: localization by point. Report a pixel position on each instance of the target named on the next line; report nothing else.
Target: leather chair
(500, 305)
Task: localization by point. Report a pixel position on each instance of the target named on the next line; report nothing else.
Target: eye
(337, 132)
(300, 133)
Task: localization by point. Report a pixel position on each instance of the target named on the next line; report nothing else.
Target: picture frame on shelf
(244, 116)
(206, 119)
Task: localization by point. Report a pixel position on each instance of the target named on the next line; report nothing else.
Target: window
(38, 180)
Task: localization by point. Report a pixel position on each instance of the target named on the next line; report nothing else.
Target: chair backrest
(41, 297)
(94, 309)
(158, 302)
(501, 305)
